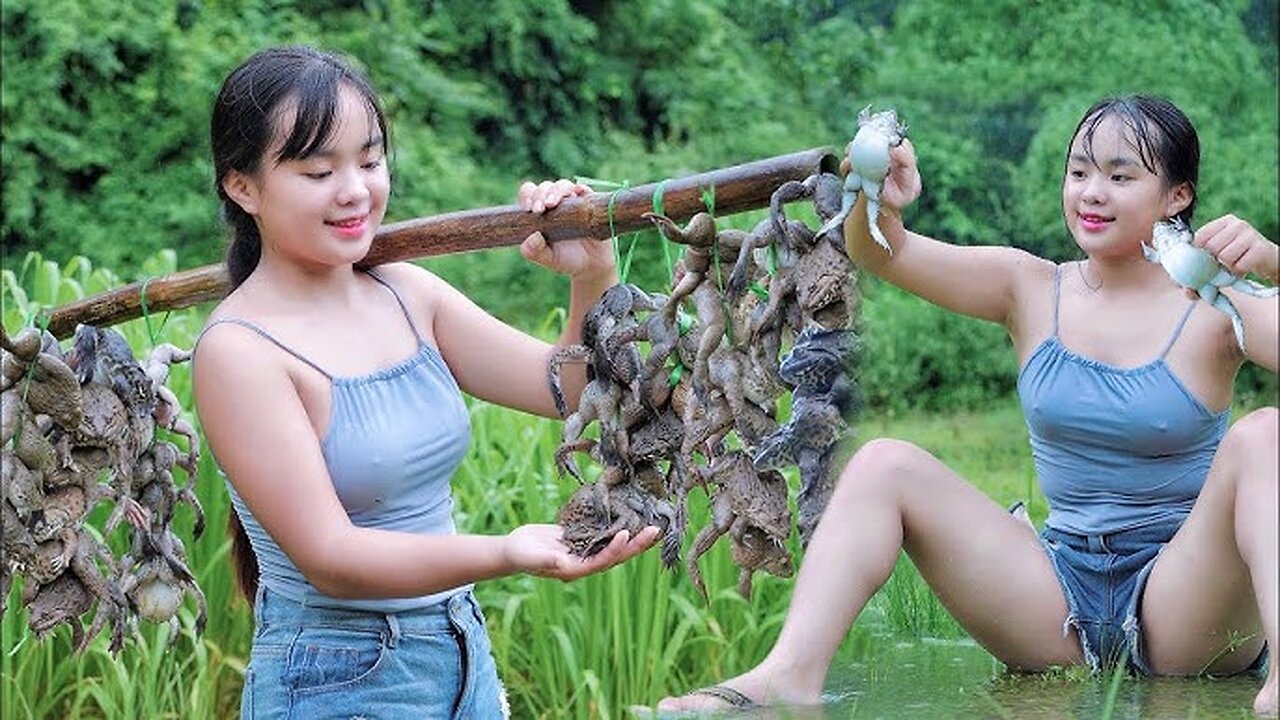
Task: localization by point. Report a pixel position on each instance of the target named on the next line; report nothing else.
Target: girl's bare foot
(752, 689)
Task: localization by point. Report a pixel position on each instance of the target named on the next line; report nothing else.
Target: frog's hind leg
(1224, 305)
(1249, 287)
(873, 214)
(851, 186)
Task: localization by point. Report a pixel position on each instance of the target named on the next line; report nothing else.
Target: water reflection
(878, 678)
(960, 680)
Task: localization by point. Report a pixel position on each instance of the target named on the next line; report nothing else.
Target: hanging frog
(1198, 270)
(868, 158)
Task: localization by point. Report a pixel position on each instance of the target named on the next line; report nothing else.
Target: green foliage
(918, 356)
(104, 134)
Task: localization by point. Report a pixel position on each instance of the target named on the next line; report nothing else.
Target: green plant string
(660, 209)
(28, 376)
(146, 315)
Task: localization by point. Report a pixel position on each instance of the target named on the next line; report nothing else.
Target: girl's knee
(1250, 445)
(879, 463)
(1257, 429)
(1254, 436)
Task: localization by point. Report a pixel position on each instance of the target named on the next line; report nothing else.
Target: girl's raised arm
(982, 282)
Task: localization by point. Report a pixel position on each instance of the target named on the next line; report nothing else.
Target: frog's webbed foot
(564, 457)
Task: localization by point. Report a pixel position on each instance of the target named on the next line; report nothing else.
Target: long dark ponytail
(243, 125)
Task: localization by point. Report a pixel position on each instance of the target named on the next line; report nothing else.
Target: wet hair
(253, 100)
(1161, 134)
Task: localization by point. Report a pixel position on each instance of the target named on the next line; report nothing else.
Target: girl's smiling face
(321, 209)
(1110, 197)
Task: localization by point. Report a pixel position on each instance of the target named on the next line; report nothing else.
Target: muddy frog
(743, 500)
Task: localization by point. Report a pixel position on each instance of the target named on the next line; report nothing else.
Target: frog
(1196, 269)
(108, 426)
(752, 508)
(155, 579)
(158, 493)
(102, 355)
(594, 513)
(72, 593)
(867, 161)
(707, 262)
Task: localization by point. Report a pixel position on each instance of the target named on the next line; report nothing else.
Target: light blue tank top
(1114, 448)
(394, 439)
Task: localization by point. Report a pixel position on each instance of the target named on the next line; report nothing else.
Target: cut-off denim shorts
(314, 662)
(1103, 577)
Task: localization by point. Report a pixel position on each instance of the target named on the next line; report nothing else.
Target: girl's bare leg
(987, 567)
(1211, 599)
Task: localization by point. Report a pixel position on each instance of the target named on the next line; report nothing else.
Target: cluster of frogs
(699, 408)
(78, 428)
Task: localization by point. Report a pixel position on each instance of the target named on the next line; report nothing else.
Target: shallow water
(958, 679)
(961, 680)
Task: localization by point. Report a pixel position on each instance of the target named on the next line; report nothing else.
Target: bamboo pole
(737, 189)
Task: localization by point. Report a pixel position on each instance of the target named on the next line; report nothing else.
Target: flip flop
(727, 694)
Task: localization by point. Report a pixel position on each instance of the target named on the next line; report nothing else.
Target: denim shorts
(1103, 577)
(314, 662)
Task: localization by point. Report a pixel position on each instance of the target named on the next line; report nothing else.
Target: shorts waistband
(1120, 541)
(275, 609)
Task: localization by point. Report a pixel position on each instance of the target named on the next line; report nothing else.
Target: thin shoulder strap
(1178, 330)
(403, 308)
(267, 335)
(1057, 294)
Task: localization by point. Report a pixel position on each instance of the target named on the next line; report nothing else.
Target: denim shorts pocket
(329, 658)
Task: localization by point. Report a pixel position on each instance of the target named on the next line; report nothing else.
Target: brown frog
(102, 355)
(155, 578)
(49, 387)
(16, 548)
(157, 493)
(22, 488)
(755, 550)
(706, 265)
(71, 594)
(17, 354)
(601, 400)
(595, 513)
(752, 508)
(108, 426)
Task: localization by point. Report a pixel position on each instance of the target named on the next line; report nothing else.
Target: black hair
(245, 119)
(1163, 136)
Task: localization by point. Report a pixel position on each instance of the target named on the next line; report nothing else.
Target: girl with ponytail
(332, 399)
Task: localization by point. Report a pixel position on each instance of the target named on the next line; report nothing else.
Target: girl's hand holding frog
(538, 550)
(1240, 247)
(902, 185)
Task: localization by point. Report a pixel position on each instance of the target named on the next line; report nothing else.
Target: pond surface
(958, 679)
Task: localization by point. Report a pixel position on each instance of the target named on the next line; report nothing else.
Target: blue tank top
(394, 439)
(1114, 448)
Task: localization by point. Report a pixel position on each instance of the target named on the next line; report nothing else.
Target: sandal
(727, 694)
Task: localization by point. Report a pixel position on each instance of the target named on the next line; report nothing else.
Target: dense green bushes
(105, 112)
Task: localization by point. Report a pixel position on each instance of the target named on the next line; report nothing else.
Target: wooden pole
(737, 189)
